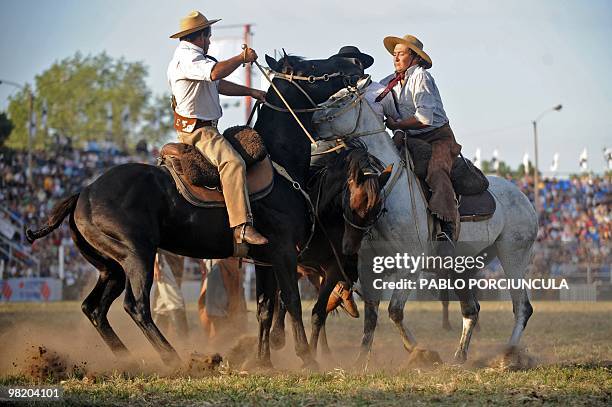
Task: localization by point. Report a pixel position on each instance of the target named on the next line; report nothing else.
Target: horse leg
(286, 275)
(396, 314)
(139, 271)
(319, 312)
(266, 295)
(514, 261)
(444, 297)
(111, 282)
(277, 336)
(323, 339)
(469, 310)
(110, 285)
(370, 318)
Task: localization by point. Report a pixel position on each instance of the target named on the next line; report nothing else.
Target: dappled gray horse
(508, 235)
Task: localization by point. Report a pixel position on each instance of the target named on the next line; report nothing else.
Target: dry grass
(569, 343)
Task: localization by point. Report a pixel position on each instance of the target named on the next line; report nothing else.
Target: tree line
(88, 98)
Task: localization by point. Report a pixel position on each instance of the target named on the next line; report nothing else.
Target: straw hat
(412, 42)
(193, 22)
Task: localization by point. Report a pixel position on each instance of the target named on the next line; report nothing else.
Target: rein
(291, 78)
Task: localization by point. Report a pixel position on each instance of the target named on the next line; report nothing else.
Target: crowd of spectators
(575, 224)
(55, 175)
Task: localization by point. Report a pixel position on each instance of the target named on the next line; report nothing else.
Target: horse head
(317, 79)
(354, 185)
(363, 200)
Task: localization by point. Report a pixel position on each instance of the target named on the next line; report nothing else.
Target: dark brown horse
(120, 220)
(348, 192)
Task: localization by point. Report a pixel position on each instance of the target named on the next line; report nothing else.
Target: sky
(498, 64)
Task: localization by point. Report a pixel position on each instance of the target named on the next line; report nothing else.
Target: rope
(263, 72)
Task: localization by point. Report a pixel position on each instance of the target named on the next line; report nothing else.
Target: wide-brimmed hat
(192, 22)
(349, 51)
(412, 42)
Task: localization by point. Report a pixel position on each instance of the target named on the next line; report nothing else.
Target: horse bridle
(347, 213)
(293, 79)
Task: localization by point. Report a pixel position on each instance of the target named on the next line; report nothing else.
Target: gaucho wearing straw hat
(196, 80)
(422, 116)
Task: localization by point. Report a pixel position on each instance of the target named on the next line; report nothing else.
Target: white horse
(508, 235)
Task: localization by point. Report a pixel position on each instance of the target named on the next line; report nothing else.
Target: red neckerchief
(398, 77)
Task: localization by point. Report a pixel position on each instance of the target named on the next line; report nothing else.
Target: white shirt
(384, 108)
(189, 77)
(419, 97)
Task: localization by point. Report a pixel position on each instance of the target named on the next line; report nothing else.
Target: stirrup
(444, 237)
(241, 248)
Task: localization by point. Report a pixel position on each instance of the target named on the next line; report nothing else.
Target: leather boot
(247, 233)
(342, 295)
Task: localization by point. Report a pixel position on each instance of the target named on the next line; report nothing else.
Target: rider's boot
(247, 233)
(342, 295)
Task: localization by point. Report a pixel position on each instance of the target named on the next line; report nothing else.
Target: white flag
(109, 117)
(495, 160)
(526, 163)
(584, 160)
(555, 162)
(477, 163)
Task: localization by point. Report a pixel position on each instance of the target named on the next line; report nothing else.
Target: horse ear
(272, 63)
(385, 175)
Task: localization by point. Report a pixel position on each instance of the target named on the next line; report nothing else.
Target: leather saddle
(475, 208)
(197, 180)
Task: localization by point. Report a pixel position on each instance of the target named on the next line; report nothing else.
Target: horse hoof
(447, 326)
(277, 340)
(460, 357)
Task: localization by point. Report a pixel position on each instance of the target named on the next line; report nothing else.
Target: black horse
(120, 220)
(348, 196)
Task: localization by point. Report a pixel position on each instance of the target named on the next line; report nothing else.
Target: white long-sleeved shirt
(419, 97)
(189, 78)
(384, 108)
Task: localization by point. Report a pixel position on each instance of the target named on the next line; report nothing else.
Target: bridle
(347, 212)
(295, 79)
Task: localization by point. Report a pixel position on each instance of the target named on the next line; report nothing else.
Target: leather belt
(189, 125)
(205, 123)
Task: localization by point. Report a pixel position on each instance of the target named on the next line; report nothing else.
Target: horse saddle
(471, 186)
(198, 181)
(474, 208)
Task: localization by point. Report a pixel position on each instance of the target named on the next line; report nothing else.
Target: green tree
(157, 118)
(77, 91)
(6, 126)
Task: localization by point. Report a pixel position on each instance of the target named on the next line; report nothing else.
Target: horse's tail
(55, 218)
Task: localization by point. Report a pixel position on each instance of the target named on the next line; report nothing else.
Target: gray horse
(508, 235)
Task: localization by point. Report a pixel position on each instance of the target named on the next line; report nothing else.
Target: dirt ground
(566, 357)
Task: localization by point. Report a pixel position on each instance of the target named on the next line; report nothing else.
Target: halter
(347, 213)
(354, 98)
(291, 78)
